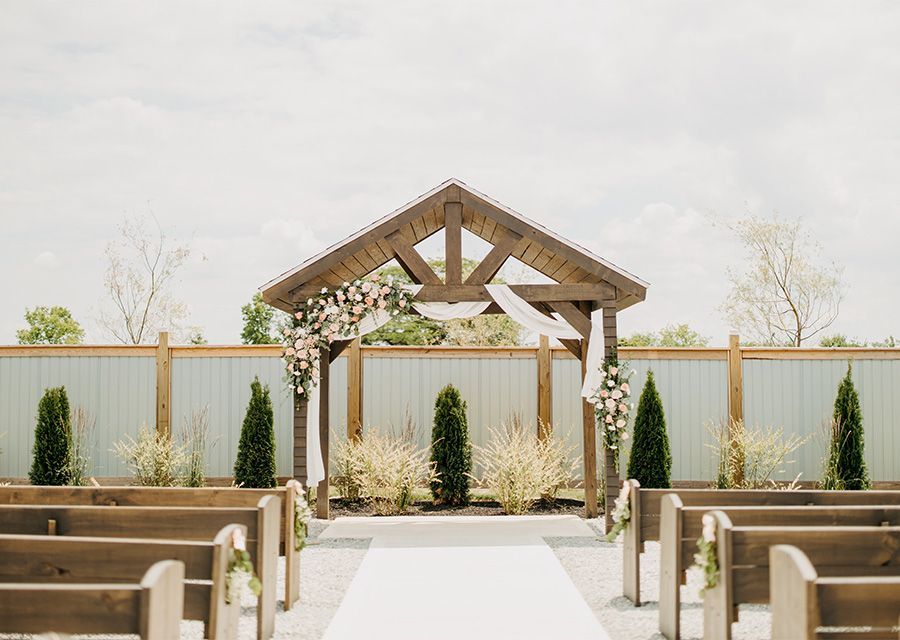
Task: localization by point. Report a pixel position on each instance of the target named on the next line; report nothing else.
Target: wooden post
(589, 429)
(545, 388)
(453, 242)
(300, 438)
(735, 379)
(610, 342)
(324, 375)
(163, 385)
(354, 390)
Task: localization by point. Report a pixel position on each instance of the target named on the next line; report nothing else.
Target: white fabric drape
(514, 306)
(315, 465)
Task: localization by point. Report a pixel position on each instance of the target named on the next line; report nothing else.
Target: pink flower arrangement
(611, 404)
(336, 316)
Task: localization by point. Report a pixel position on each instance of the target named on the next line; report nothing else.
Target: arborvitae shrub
(52, 439)
(255, 465)
(846, 467)
(451, 451)
(650, 461)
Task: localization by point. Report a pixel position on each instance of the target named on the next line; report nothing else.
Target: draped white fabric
(514, 306)
(315, 465)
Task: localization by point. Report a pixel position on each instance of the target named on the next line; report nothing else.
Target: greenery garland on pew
(239, 562)
(331, 316)
(706, 558)
(621, 513)
(302, 515)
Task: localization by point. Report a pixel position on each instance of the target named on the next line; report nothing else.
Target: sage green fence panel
(798, 395)
(494, 388)
(693, 393)
(118, 391)
(223, 385)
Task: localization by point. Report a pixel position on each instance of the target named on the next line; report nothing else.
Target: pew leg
(716, 613)
(670, 570)
(631, 564)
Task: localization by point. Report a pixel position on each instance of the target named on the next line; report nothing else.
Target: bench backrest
(151, 608)
(103, 560)
(646, 504)
(802, 601)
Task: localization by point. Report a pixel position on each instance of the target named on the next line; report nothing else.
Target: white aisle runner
(462, 578)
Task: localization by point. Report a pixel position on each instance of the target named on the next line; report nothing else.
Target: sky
(261, 133)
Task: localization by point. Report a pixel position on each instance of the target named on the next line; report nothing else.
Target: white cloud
(46, 260)
(267, 132)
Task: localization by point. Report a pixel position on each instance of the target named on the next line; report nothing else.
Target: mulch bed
(343, 507)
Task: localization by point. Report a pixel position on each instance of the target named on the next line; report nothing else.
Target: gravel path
(595, 566)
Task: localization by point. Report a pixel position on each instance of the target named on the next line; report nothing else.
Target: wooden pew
(646, 504)
(178, 497)
(743, 562)
(681, 526)
(802, 602)
(152, 608)
(55, 560)
(165, 523)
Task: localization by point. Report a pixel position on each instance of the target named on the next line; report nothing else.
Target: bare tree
(789, 293)
(140, 270)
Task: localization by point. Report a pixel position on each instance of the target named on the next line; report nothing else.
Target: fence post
(545, 387)
(163, 385)
(735, 379)
(354, 390)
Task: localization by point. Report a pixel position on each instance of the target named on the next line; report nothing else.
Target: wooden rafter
(493, 261)
(453, 242)
(413, 263)
(598, 291)
(573, 316)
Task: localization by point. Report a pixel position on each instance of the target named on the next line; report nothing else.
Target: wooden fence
(127, 385)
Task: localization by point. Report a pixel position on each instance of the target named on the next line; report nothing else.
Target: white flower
(610, 403)
(324, 290)
(709, 528)
(602, 374)
(624, 435)
(610, 383)
(616, 394)
(620, 423)
(624, 491)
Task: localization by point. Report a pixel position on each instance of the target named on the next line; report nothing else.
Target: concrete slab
(462, 578)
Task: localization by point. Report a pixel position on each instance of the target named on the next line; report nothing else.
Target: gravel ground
(595, 566)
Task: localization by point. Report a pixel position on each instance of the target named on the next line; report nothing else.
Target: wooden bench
(743, 562)
(165, 523)
(681, 526)
(151, 608)
(803, 602)
(50, 560)
(646, 504)
(178, 497)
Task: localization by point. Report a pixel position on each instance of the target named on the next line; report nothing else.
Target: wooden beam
(735, 379)
(413, 263)
(322, 506)
(571, 314)
(589, 437)
(163, 386)
(493, 261)
(453, 242)
(545, 388)
(610, 346)
(573, 346)
(337, 348)
(595, 291)
(354, 391)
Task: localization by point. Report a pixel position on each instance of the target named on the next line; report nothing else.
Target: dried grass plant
(519, 468)
(79, 460)
(194, 436)
(747, 458)
(154, 459)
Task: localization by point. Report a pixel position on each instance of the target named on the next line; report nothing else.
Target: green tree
(262, 323)
(451, 450)
(639, 339)
(50, 325)
(484, 330)
(840, 340)
(672, 335)
(52, 440)
(846, 466)
(650, 460)
(890, 342)
(255, 465)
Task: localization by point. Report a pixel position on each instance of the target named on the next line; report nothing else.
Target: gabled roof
(369, 248)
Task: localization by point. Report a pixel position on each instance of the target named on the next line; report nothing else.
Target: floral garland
(611, 404)
(239, 562)
(621, 513)
(706, 558)
(302, 515)
(331, 316)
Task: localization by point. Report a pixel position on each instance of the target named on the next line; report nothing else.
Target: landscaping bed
(342, 507)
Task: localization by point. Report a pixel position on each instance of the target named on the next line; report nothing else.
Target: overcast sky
(262, 132)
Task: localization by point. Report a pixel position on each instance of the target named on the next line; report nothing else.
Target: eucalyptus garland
(302, 515)
(706, 559)
(239, 562)
(621, 513)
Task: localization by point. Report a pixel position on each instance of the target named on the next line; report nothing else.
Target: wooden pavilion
(582, 282)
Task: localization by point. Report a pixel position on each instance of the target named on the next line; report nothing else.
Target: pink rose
(304, 364)
(604, 393)
(300, 390)
(367, 286)
(357, 309)
(385, 290)
(613, 371)
(299, 315)
(622, 408)
(369, 301)
(302, 354)
(382, 304)
(322, 317)
(626, 388)
(341, 297)
(316, 325)
(402, 303)
(376, 277)
(351, 290)
(289, 351)
(355, 318)
(331, 337)
(609, 419)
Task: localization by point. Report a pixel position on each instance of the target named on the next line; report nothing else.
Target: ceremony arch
(582, 283)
